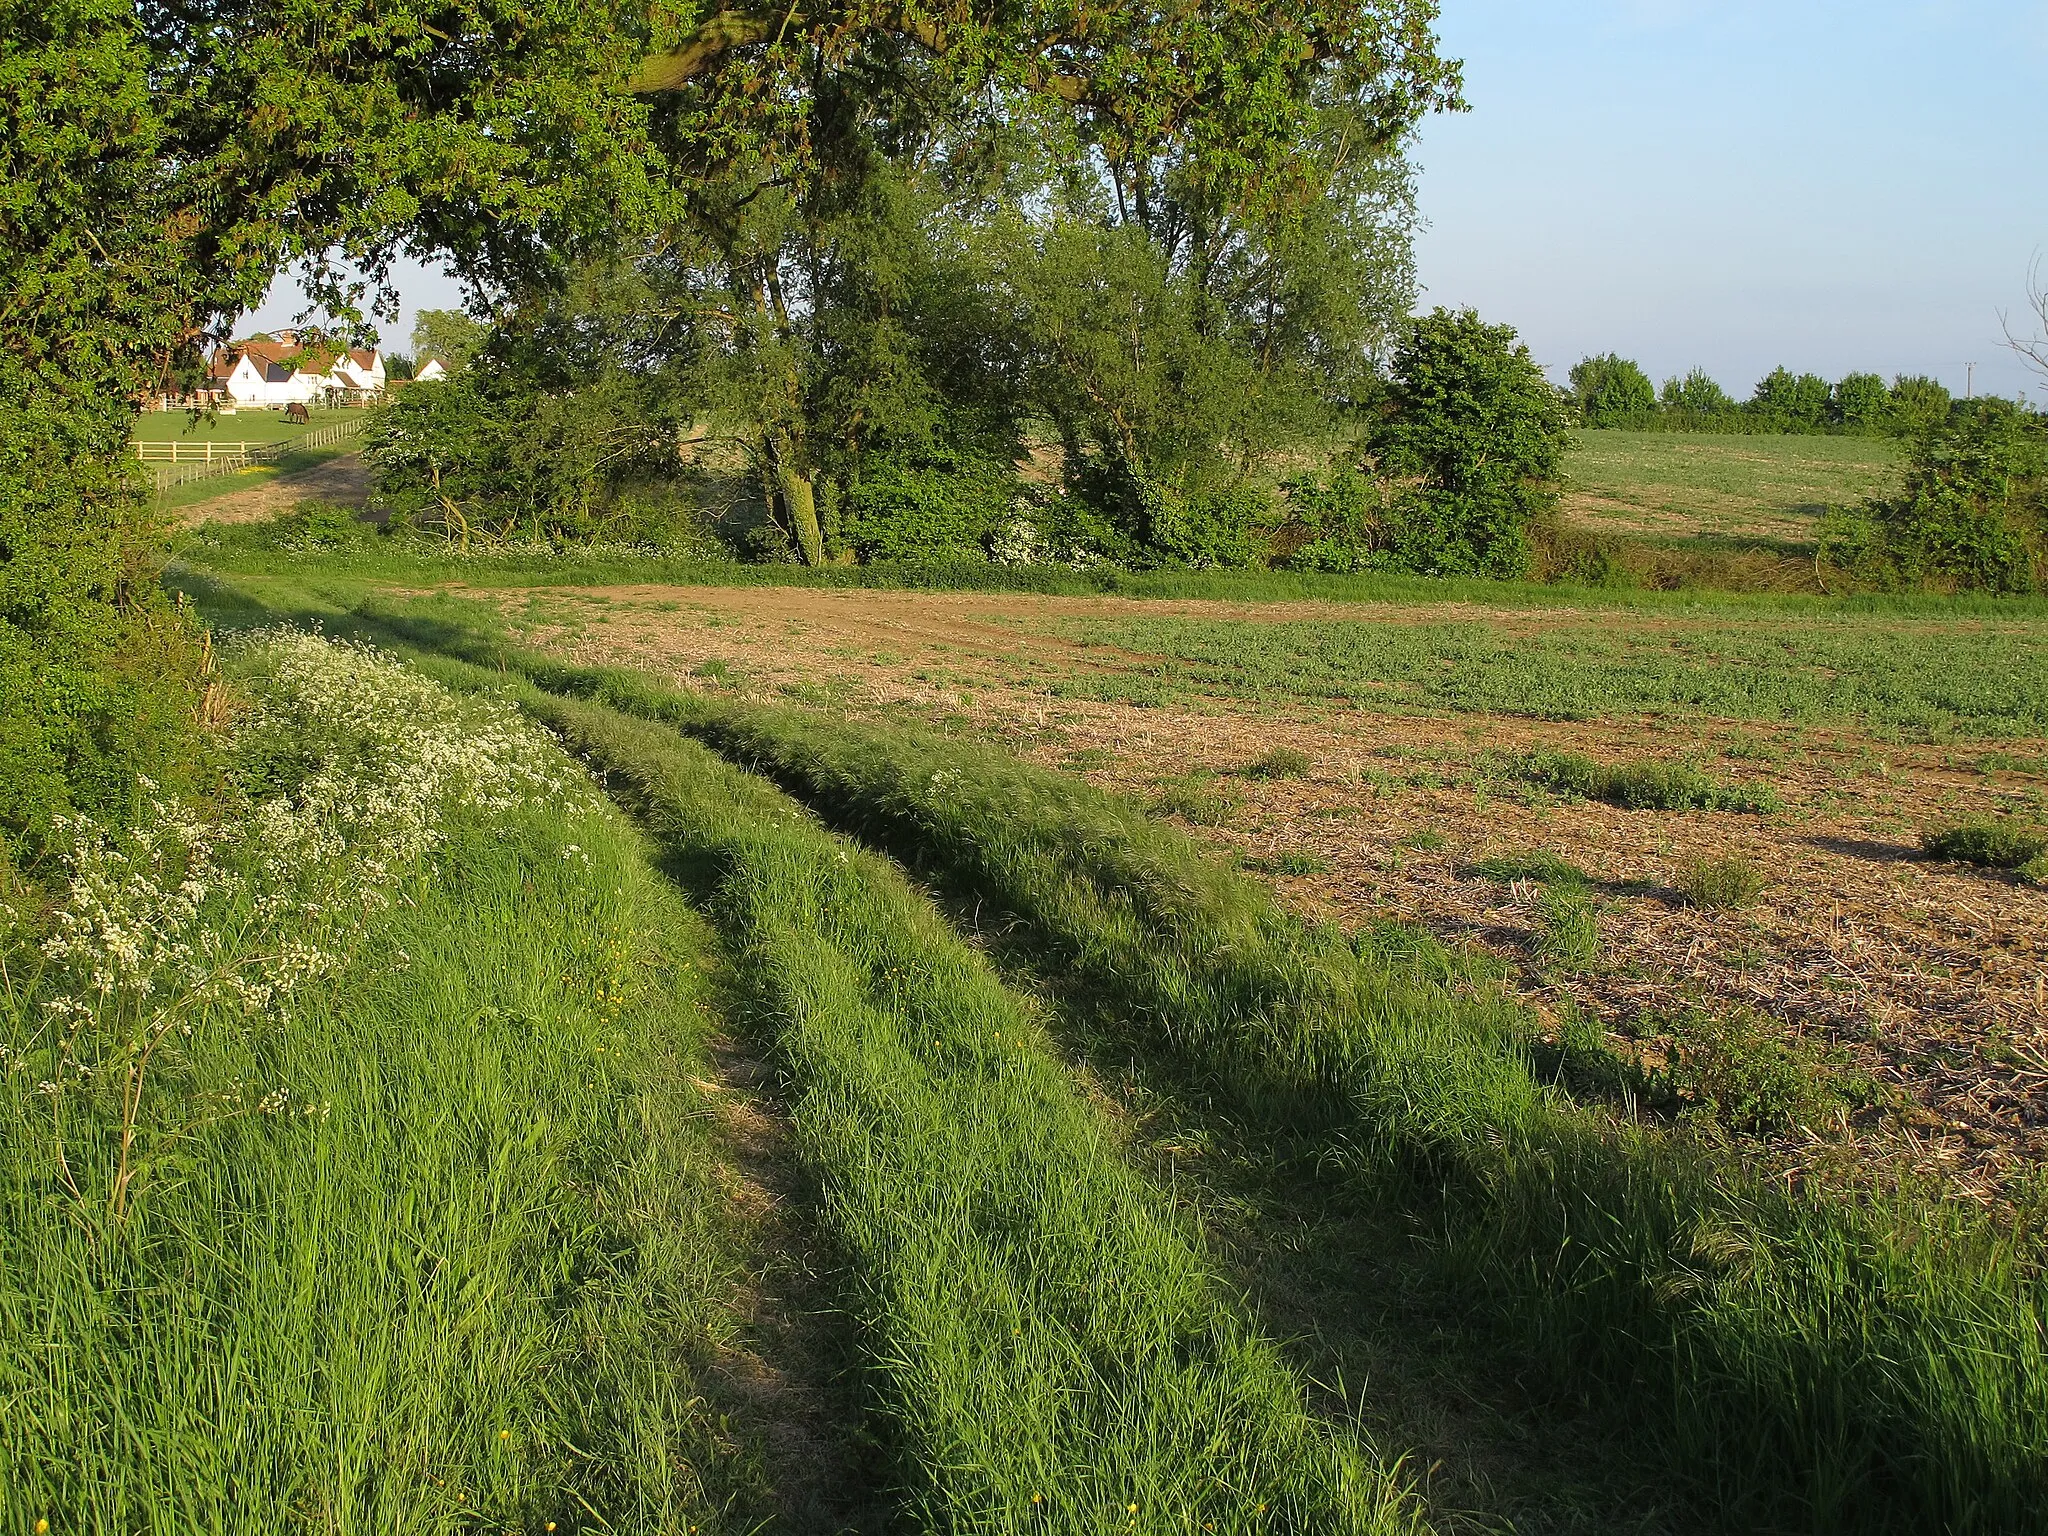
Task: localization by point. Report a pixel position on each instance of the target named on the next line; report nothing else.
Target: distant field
(261, 426)
(1679, 485)
(1917, 678)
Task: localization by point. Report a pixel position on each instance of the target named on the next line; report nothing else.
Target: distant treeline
(1612, 391)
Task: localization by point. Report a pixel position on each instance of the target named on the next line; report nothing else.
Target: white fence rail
(180, 463)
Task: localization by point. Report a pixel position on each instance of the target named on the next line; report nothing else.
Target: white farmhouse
(284, 371)
(432, 370)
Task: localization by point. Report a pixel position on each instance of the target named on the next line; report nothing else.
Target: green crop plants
(1888, 669)
(1817, 1350)
(349, 1153)
(2000, 844)
(1280, 763)
(1636, 786)
(1568, 935)
(1743, 1073)
(1721, 884)
(1537, 864)
(1045, 1344)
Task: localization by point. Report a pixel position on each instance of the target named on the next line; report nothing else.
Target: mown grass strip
(1867, 1363)
(1050, 1352)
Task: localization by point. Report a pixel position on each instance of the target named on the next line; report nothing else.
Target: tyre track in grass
(1851, 1368)
(1046, 1348)
(1793, 1363)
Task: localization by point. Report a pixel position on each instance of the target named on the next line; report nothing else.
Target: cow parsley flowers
(349, 769)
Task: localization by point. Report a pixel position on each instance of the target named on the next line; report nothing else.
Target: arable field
(1343, 1056)
(1916, 989)
(1700, 486)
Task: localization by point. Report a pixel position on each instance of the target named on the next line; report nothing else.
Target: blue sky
(1733, 184)
(1728, 184)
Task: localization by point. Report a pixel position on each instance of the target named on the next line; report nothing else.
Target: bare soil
(1930, 978)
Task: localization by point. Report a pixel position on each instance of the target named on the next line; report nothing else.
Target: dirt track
(340, 481)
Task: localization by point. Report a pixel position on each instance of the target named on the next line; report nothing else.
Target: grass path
(1050, 1350)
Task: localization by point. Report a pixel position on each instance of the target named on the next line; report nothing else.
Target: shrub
(1697, 395)
(1280, 763)
(1336, 527)
(319, 525)
(1611, 391)
(1352, 525)
(1990, 844)
(1973, 513)
(937, 505)
(1721, 883)
(1862, 403)
(479, 457)
(1478, 435)
(1789, 402)
(1205, 529)
(1918, 403)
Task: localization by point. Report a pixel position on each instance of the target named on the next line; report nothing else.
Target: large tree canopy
(163, 160)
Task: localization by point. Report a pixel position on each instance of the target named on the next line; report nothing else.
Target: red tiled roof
(277, 361)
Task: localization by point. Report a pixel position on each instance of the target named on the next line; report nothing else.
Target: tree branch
(725, 31)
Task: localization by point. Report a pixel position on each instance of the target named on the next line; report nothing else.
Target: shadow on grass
(1360, 1294)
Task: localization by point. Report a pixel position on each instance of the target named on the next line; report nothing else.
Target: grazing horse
(297, 411)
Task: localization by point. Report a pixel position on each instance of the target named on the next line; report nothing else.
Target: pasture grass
(1736, 486)
(465, 1266)
(1048, 1351)
(246, 426)
(1813, 1359)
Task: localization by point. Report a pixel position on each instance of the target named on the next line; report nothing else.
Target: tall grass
(1810, 1362)
(432, 1244)
(1049, 1351)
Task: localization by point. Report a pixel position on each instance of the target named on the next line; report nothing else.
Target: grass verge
(353, 1173)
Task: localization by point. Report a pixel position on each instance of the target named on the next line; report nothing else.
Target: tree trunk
(799, 500)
